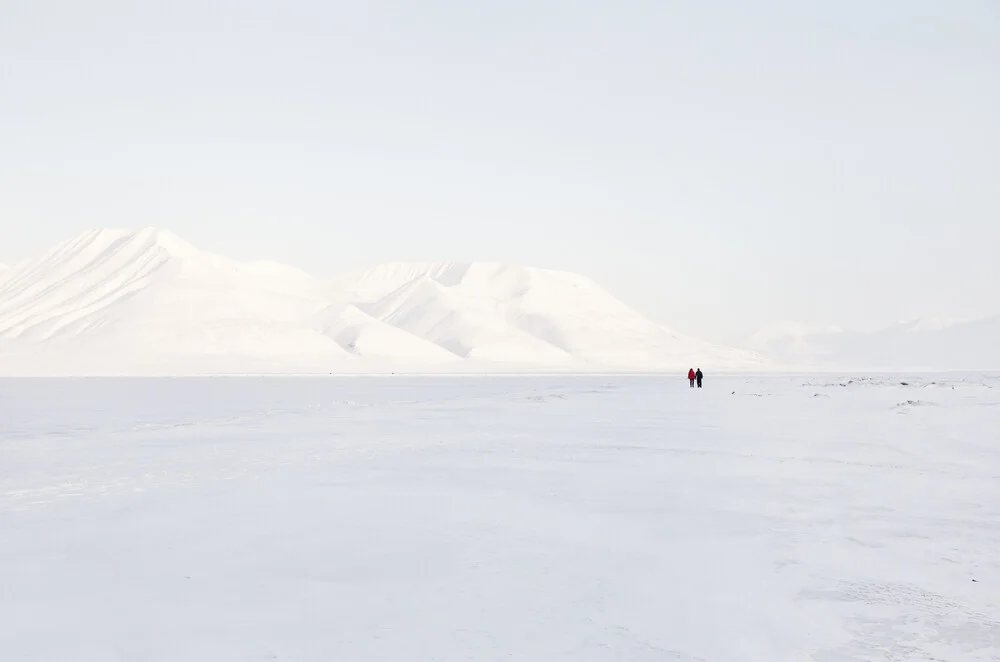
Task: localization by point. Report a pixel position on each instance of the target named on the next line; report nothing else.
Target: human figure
(691, 377)
(698, 375)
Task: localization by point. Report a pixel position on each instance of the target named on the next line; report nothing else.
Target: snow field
(520, 518)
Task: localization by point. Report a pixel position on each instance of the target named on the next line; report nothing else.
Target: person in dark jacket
(691, 377)
(698, 375)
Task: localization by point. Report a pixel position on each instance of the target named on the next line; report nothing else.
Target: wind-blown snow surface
(123, 302)
(777, 519)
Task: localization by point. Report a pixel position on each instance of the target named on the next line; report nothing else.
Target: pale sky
(718, 165)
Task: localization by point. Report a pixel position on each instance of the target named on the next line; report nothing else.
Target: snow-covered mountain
(920, 344)
(118, 301)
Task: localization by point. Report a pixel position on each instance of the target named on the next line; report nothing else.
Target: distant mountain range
(928, 344)
(147, 302)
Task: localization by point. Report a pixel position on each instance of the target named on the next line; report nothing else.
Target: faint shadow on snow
(904, 636)
(907, 405)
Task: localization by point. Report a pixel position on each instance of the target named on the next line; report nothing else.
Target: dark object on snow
(698, 375)
(905, 383)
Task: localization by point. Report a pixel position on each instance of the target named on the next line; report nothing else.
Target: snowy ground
(505, 518)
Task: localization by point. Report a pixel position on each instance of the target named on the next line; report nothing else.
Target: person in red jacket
(691, 377)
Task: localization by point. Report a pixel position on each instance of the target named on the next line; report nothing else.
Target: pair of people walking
(695, 377)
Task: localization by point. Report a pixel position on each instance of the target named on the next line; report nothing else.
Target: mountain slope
(512, 312)
(367, 337)
(113, 293)
(927, 344)
(460, 324)
(146, 301)
(75, 279)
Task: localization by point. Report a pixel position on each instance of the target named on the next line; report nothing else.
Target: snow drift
(121, 302)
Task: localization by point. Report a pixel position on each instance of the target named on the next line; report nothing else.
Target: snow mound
(125, 301)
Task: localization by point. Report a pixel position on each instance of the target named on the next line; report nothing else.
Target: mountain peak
(145, 239)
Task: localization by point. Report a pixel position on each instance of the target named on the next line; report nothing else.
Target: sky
(720, 166)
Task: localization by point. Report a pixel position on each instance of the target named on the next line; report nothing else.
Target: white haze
(718, 166)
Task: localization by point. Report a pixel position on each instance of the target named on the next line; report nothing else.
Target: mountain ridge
(914, 344)
(118, 300)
